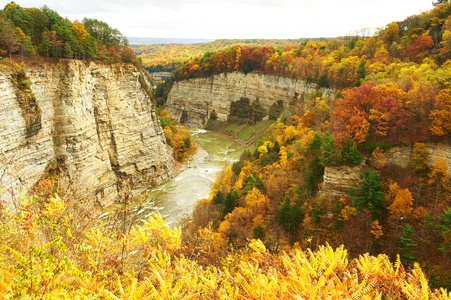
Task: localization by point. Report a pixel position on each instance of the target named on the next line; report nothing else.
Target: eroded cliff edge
(93, 122)
(192, 101)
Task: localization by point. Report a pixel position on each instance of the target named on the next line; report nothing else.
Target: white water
(176, 198)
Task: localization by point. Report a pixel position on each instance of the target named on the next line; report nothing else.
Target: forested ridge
(266, 231)
(168, 57)
(34, 32)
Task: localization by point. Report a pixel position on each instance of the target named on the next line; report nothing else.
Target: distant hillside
(153, 40)
(168, 57)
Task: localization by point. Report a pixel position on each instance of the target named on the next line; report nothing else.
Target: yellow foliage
(71, 256)
(80, 29)
(151, 268)
(283, 157)
(439, 174)
(390, 196)
(157, 233)
(227, 180)
(420, 157)
(255, 199)
(262, 150)
(245, 172)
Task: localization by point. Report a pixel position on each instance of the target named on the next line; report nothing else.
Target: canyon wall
(93, 123)
(192, 101)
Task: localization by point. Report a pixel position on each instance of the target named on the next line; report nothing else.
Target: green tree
(315, 144)
(350, 153)
(289, 215)
(68, 53)
(91, 49)
(46, 45)
(370, 194)
(329, 155)
(230, 202)
(407, 245)
(102, 32)
(218, 198)
(446, 231)
(259, 232)
(315, 175)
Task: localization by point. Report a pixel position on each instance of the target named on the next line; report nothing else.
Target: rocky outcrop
(96, 125)
(337, 180)
(401, 156)
(193, 100)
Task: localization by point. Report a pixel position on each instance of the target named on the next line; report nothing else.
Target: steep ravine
(97, 125)
(238, 95)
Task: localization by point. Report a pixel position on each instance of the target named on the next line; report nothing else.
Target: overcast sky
(217, 19)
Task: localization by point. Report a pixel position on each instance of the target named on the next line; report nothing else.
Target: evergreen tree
(259, 232)
(407, 245)
(46, 45)
(329, 155)
(315, 175)
(315, 144)
(289, 216)
(230, 202)
(68, 53)
(350, 153)
(317, 211)
(369, 193)
(361, 72)
(218, 198)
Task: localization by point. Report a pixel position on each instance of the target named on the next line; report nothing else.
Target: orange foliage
(402, 204)
(378, 158)
(376, 230)
(441, 115)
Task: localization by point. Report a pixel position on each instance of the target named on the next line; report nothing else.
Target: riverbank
(245, 134)
(200, 157)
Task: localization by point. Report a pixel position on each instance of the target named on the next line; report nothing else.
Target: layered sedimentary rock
(94, 123)
(192, 101)
(337, 180)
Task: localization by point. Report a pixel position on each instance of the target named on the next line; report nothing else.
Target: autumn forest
(271, 228)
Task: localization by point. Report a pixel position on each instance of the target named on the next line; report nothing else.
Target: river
(176, 198)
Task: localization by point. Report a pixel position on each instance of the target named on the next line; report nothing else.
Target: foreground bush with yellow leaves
(57, 249)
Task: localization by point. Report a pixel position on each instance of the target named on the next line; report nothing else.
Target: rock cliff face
(338, 180)
(94, 122)
(192, 101)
